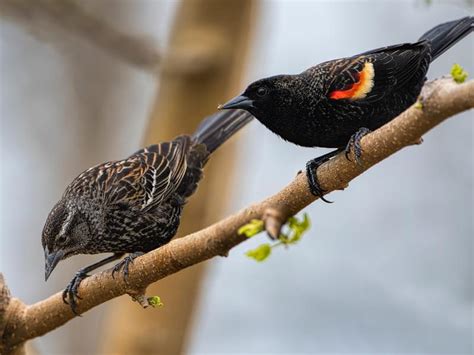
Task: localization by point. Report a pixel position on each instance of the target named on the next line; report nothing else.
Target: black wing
(370, 76)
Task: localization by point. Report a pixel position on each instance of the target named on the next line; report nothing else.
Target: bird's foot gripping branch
(20, 322)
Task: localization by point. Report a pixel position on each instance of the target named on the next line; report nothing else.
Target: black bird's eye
(261, 91)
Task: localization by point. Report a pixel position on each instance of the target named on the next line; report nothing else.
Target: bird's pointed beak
(241, 101)
(51, 260)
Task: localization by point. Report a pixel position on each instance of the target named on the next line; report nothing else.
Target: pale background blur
(387, 268)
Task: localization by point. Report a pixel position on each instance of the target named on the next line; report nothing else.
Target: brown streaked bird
(132, 205)
(334, 104)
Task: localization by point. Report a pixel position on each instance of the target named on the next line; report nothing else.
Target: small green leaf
(155, 301)
(283, 238)
(458, 73)
(260, 253)
(419, 105)
(297, 228)
(250, 229)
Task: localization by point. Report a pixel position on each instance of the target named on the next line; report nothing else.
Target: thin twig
(73, 17)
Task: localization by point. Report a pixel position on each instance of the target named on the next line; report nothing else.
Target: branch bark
(71, 16)
(441, 99)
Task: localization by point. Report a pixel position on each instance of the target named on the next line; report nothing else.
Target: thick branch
(441, 99)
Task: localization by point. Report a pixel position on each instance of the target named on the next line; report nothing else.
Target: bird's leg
(70, 294)
(125, 263)
(354, 143)
(311, 173)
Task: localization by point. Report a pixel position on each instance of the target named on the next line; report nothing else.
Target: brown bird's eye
(262, 91)
(60, 238)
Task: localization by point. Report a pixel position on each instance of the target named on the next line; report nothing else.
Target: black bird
(132, 205)
(334, 104)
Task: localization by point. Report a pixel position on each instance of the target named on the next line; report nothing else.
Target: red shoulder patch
(360, 89)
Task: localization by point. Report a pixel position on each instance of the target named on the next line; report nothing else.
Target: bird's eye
(262, 91)
(60, 238)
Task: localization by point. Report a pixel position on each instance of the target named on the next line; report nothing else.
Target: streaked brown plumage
(132, 205)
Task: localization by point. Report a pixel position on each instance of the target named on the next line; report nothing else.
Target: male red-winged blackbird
(335, 103)
(132, 205)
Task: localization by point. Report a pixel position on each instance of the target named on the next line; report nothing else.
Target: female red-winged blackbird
(335, 103)
(132, 205)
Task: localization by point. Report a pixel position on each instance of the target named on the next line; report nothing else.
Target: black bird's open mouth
(242, 102)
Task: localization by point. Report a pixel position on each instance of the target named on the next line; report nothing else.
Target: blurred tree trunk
(202, 68)
(71, 119)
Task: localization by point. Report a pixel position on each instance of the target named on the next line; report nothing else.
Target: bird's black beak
(51, 260)
(242, 102)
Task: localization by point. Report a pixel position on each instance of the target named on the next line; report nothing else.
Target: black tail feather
(217, 128)
(445, 35)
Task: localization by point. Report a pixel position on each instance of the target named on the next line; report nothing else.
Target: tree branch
(73, 17)
(441, 99)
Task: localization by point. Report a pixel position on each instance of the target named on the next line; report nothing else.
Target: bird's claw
(354, 143)
(70, 294)
(124, 264)
(314, 186)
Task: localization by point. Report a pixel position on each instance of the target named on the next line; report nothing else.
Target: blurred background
(387, 268)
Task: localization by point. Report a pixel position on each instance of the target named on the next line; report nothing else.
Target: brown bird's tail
(217, 128)
(445, 35)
